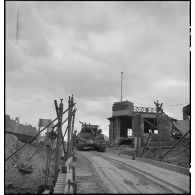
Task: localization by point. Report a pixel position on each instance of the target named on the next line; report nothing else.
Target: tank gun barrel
(81, 122)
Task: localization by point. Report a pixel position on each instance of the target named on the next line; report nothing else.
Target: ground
(97, 172)
(111, 173)
(178, 156)
(16, 182)
(88, 180)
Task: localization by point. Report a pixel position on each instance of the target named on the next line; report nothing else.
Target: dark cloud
(82, 47)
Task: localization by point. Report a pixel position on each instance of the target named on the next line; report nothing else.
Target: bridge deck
(123, 175)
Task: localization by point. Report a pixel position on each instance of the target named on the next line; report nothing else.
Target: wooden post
(72, 148)
(181, 138)
(37, 138)
(72, 127)
(57, 156)
(121, 86)
(49, 146)
(47, 165)
(157, 119)
(146, 143)
(158, 108)
(70, 103)
(69, 126)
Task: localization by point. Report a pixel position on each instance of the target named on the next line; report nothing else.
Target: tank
(90, 137)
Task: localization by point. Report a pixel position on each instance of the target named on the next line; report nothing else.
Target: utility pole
(158, 108)
(17, 22)
(70, 103)
(72, 124)
(37, 137)
(72, 131)
(59, 137)
(121, 86)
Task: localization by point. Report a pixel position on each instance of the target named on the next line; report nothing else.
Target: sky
(81, 48)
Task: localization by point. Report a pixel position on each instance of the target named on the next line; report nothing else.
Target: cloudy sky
(81, 48)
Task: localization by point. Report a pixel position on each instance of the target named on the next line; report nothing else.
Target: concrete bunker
(126, 125)
(130, 121)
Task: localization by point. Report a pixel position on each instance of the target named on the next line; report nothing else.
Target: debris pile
(21, 174)
(121, 142)
(25, 169)
(179, 156)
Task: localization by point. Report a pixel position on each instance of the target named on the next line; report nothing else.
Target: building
(184, 125)
(128, 119)
(186, 112)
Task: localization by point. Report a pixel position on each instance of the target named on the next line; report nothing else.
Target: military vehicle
(90, 136)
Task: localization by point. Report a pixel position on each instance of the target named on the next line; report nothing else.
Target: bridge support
(59, 112)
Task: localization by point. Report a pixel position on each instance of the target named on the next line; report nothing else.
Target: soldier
(99, 134)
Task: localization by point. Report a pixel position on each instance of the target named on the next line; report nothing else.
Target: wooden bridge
(121, 174)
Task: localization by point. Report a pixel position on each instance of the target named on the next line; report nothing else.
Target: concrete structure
(14, 126)
(186, 112)
(182, 125)
(125, 117)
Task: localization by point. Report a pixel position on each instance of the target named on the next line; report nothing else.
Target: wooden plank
(60, 178)
(165, 165)
(178, 180)
(69, 176)
(59, 188)
(60, 182)
(58, 192)
(62, 175)
(167, 178)
(69, 161)
(46, 192)
(56, 187)
(60, 185)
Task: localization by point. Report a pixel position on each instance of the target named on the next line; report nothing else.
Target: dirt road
(109, 173)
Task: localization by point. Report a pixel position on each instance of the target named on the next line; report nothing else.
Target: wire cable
(177, 104)
(180, 104)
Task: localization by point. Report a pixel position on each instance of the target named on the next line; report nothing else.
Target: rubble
(25, 169)
(15, 181)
